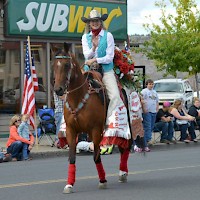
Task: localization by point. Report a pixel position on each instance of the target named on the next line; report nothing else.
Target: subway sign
(61, 18)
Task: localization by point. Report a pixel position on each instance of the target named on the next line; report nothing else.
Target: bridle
(72, 65)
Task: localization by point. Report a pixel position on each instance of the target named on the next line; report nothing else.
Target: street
(167, 175)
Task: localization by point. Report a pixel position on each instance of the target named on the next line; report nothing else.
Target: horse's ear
(67, 47)
(54, 48)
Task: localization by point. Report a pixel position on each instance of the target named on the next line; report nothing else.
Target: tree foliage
(175, 43)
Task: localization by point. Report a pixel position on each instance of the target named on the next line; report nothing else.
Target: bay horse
(83, 112)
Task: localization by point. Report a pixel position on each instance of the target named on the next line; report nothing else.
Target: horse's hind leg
(123, 167)
(99, 165)
(71, 167)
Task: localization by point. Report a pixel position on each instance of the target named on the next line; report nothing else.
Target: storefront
(46, 22)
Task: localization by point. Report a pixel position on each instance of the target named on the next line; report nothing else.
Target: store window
(2, 56)
(10, 80)
(9, 77)
(17, 56)
(36, 55)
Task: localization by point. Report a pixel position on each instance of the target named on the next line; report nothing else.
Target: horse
(83, 112)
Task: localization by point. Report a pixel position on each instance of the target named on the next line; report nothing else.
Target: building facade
(46, 23)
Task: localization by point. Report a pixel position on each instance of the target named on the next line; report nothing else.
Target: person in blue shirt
(24, 132)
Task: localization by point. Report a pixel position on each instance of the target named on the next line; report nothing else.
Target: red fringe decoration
(124, 161)
(122, 142)
(62, 141)
(101, 172)
(71, 174)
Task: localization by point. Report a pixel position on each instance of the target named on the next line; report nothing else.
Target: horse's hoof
(123, 178)
(102, 185)
(68, 189)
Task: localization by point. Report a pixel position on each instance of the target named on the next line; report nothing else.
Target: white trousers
(110, 83)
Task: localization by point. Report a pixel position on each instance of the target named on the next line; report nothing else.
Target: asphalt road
(159, 175)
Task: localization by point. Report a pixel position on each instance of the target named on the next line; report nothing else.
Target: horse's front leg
(72, 166)
(99, 165)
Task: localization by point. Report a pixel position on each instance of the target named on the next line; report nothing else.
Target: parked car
(171, 89)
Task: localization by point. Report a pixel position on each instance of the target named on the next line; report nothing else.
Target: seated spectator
(164, 123)
(24, 132)
(194, 111)
(5, 157)
(84, 146)
(181, 119)
(15, 142)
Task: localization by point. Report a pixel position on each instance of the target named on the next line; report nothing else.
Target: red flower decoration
(124, 67)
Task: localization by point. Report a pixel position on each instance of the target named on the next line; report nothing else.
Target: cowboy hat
(94, 14)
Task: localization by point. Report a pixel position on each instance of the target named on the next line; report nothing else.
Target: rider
(98, 47)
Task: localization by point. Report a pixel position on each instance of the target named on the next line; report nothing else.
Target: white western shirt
(89, 53)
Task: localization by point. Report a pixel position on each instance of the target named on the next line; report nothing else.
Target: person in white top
(151, 99)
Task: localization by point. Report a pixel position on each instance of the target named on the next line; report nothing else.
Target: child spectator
(151, 106)
(24, 132)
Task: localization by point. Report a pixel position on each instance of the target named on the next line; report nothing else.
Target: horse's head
(62, 67)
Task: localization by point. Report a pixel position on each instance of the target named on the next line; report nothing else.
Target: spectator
(15, 142)
(150, 97)
(106, 149)
(84, 146)
(164, 123)
(5, 157)
(89, 147)
(194, 111)
(23, 131)
(58, 103)
(181, 119)
(135, 112)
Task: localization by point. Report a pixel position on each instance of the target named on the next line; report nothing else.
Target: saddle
(94, 76)
(95, 81)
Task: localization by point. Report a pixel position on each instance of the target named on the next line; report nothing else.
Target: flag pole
(30, 61)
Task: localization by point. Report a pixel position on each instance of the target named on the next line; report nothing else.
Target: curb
(49, 154)
(178, 145)
(156, 147)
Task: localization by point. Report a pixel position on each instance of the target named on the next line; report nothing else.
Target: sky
(138, 9)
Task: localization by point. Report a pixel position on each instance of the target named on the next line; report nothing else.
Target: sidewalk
(44, 149)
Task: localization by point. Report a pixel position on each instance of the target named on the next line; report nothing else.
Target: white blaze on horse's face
(59, 63)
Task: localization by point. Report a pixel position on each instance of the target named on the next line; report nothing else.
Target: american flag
(28, 100)
(35, 79)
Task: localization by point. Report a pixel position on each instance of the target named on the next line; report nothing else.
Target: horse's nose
(59, 91)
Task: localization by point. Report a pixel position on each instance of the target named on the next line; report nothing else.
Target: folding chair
(157, 130)
(47, 124)
(177, 136)
(197, 128)
(156, 133)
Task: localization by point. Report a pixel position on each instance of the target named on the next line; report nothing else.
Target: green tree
(174, 44)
